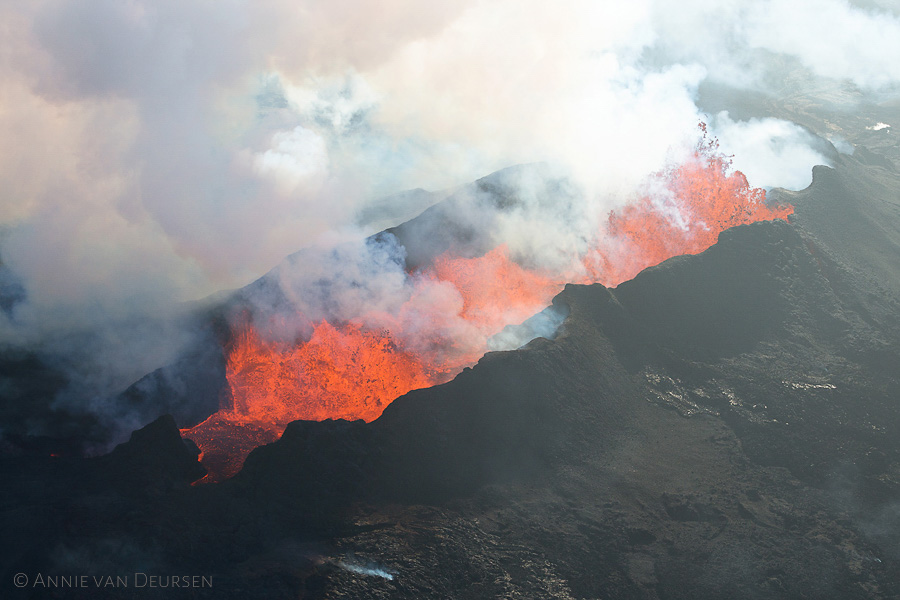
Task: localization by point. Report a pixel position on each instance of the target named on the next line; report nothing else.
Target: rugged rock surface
(722, 426)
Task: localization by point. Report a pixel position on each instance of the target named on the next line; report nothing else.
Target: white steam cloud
(770, 152)
(157, 152)
(368, 568)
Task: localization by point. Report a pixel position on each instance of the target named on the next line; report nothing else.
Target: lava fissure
(353, 370)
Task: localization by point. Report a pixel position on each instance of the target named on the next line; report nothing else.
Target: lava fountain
(353, 369)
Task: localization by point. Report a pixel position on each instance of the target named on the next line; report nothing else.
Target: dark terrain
(725, 425)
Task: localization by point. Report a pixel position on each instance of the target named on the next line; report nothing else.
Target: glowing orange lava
(700, 199)
(342, 373)
(349, 371)
(495, 290)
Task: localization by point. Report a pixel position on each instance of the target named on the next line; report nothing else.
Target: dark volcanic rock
(190, 389)
(723, 426)
(464, 222)
(92, 516)
(156, 456)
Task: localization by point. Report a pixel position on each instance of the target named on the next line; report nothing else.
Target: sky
(157, 152)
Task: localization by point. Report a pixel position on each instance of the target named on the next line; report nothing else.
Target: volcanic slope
(724, 425)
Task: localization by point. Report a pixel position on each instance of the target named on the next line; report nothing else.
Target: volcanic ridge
(722, 425)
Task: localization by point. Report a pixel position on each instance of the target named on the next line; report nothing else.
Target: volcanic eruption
(350, 369)
(450, 300)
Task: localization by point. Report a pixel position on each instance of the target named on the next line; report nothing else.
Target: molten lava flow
(701, 199)
(495, 290)
(342, 373)
(354, 370)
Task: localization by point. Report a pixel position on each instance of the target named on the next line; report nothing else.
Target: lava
(350, 370)
(701, 199)
(345, 373)
(496, 291)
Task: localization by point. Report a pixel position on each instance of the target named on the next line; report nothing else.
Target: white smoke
(157, 152)
(825, 36)
(368, 568)
(770, 152)
(295, 157)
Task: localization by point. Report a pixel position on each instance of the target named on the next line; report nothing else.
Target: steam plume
(157, 152)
